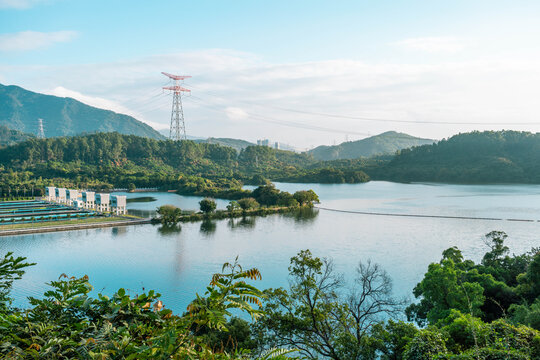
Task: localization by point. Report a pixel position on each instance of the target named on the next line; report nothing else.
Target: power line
(365, 118)
(282, 122)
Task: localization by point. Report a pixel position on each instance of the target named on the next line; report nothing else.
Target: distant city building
(276, 145)
(263, 142)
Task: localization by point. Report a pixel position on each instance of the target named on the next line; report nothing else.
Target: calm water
(179, 264)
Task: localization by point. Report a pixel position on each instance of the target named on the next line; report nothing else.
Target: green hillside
(10, 137)
(236, 144)
(385, 143)
(20, 109)
(476, 157)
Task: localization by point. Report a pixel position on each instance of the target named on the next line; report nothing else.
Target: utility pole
(178, 127)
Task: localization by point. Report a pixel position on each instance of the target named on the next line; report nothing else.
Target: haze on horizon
(276, 69)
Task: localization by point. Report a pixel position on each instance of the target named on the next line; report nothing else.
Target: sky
(298, 72)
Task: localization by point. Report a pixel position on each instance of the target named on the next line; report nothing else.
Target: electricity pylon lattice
(41, 132)
(178, 127)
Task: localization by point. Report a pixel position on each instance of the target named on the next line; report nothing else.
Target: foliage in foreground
(67, 323)
(320, 316)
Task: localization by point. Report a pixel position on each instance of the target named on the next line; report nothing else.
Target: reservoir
(179, 264)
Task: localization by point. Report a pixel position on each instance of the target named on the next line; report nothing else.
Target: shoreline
(59, 228)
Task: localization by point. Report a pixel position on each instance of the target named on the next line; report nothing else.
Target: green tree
(233, 206)
(248, 203)
(169, 214)
(306, 197)
(207, 205)
(316, 316)
(426, 345)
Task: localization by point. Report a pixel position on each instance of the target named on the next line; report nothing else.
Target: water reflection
(118, 231)
(169, 229)
(245, 222)
(208, 227)
(303, 215)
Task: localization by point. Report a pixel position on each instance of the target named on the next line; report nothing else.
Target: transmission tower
(178, 127)
(41, 132)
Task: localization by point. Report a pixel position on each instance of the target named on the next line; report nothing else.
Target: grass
(62, 223)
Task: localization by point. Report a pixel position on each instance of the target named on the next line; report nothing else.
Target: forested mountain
(20, 110)
(385, 143)
(116, 160)
(11, 137)
(476, 157)
(236, 144)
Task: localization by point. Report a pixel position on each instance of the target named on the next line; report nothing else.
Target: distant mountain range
(385, 143)
(20, 110)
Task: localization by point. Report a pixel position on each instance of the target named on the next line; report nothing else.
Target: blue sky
(441, 63)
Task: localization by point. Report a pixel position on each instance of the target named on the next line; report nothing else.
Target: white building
(89, 199)
(79, 204)
(50, 193)
(60, 195)
(102, 202)
(118, 204)
(71, 195)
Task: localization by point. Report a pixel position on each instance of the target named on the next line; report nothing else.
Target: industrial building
(102, 202)
(118, 204)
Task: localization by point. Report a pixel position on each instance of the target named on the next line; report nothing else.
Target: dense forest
(112, 160)
(466, 311)
(11, 137)
(476, 157)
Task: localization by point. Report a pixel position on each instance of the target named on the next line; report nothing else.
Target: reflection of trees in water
(245, 222)
(169, 229)
(303, 215)
(120, 230)
(208, 227)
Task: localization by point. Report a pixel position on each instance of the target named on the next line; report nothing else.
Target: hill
(10, 137)
(476, 157)
(115, 160)
(20, 109)
(236, 144)
(385, 143)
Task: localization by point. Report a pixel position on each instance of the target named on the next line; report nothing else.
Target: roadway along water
(179, 264)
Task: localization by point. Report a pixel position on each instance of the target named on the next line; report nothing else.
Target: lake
(179, 264)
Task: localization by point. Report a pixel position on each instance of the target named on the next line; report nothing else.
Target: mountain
(10, 137)
(385, 143)
(236, 144)
(475, 157)
(20, 110)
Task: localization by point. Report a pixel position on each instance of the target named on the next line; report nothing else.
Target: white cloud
(239, 95)
(31, 40)
(445, 44)
(18, 4)
(102, 104)
(236, 113)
